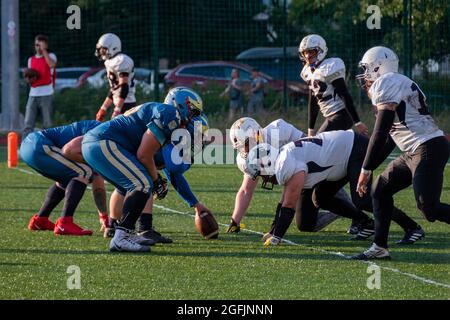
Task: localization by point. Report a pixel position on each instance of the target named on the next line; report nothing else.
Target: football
(206, 225)
(30, 75)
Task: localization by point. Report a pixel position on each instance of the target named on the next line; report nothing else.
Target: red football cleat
(66, 226)
(40, 224)
(104, 221)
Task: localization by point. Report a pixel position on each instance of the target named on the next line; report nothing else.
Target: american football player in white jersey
(403, 120)
(324, 163)
(246, 133)
(328, 91)
(120, 73)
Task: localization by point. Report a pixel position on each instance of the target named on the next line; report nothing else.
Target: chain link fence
(161, 35)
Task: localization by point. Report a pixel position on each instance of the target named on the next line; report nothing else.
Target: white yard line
(339, 254)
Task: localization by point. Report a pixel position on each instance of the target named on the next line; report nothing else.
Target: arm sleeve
(389, 146)
(342, 91)
(180, 184)
(377, 143)
(313, 110)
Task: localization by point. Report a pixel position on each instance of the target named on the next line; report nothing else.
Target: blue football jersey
(127, 130)
(62, 135)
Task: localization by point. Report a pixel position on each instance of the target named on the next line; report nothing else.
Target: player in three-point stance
(324, 163)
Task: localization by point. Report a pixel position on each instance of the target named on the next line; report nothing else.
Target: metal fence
(162, 34)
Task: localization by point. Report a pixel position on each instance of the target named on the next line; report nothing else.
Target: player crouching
(325, 163)
(43, 151)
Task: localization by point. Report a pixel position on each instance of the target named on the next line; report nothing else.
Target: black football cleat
(366, 230)
(354, 228)
(373, 253)
(155, 236)
(412, 236)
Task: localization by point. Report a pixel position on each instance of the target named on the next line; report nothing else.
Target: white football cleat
(374, 252)
(123, 242)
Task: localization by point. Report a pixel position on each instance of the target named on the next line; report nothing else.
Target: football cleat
(272, 241)
(411, 236)
(142, 240)
(40, 224)
(324, 219)
(66, 226)
(354, 228)
(366, 230)
(123, 242)
(155, 236)
(374, 252)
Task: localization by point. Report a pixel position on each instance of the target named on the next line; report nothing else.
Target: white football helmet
(261, 162)
(244, 134)
(311, 42)
(376, 62)
(111, 43)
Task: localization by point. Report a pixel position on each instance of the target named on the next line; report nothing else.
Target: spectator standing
(256, 100)
(234, 90)
(43, 64)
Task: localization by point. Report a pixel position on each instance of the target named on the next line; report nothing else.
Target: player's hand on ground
(361, 128)
(363, 180)
(100, 115)
(160, 188)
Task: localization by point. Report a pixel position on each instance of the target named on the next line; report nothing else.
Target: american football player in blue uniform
(174, 165)
(122, 151)
(45, 152)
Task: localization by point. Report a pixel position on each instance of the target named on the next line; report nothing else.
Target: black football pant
(324, 192)
(306, 211)
(424, 169)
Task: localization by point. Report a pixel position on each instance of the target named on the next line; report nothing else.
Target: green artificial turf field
(34, 265)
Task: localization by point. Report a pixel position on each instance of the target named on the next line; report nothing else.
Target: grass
(34, 265)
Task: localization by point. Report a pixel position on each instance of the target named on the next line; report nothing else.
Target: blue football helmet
(187, 101)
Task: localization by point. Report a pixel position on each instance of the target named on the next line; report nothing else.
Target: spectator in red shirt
(40, 98)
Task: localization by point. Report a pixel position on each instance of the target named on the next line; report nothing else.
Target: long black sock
(277, 213)
(145, 222)
(112, 222)
(132, 208)
(283, 222)
(399, 217)
(74, 192)
(54, 196)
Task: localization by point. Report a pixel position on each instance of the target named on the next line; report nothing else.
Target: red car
(219, 72)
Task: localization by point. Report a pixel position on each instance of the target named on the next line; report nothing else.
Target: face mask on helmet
(102, 56)
(312, 58)
(186, 101)
(261, 163)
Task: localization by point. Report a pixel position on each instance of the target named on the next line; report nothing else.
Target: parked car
(270, 61)
(142, 77)
(68, 77)
(219, 72)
